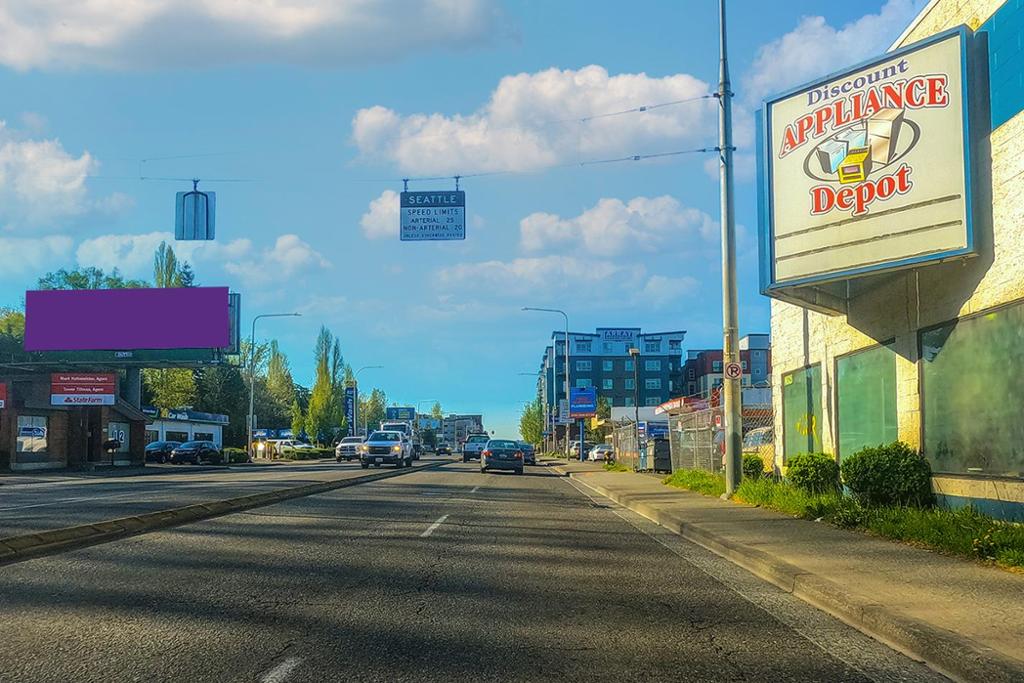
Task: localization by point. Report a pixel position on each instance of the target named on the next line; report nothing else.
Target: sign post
(433, 216)
(582, 404)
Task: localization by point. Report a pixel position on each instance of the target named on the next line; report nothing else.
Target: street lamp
(634, 353)
(355, 408)
(564, 315)
(252, 366)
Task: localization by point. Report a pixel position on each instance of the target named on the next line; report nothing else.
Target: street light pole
(252, 369)
(634, 353)
(730, 317)
(567, 385)
(355, 408)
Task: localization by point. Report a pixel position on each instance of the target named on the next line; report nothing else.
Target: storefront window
(151, 436)
(32, 434)
(204, 436)
(176, 436)
(972, 394)
(866, 388)
(801, 411)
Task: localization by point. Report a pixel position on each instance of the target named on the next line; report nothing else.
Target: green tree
(87, 278)
(280, 384)
(436, 412)
(531, 421)
(169, 387)
(430, 438)
(165, 267)
(12, 332)
(186, 276)
(604, 412)
(221, 389)
(373, 408)
(324, 415)
(298, 419)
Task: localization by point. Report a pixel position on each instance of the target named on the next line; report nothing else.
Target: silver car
(502, 454)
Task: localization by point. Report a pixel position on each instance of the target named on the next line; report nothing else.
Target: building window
(609, 384)
(151, 436)
(204, 436)
(801, 411)
(175, 436)
(675, 345)
(583, 383)
(630, 385)
(690, 374)
(716, 366)
(652, 346)
(972, 394)
(653, 400)
(652, 384)
(582, 346)
(629, 402)
(652, 365)
(743, 364)
(32, 434)
(583, 366)
(629, 365)
(866, 392)
(691, 389)
(607, 346)
(608, 365)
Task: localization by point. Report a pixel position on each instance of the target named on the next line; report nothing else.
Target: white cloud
(381, 220)
(660, 290)
(815, 48)
(198, 33)
(132, 254)
(32, 255)
(612, 226)
(529, 274)
(39, 181)
(290, 256)
(533, 120)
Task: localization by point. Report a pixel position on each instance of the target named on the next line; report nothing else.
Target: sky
(304, 115)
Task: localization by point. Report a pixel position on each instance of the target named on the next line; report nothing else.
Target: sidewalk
(962, 618)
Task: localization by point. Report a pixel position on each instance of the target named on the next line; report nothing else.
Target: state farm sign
(83, 389)
(869, 170)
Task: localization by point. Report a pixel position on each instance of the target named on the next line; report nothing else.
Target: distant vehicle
(575, 448)
(502, 454)
(529, 453)
(761, 442)
(601, 452)
(409, 430)
(474, 444)
(386, 447)
(443, 449)
(348, 449)
(160, 451)
(196, 452)
(292, 443)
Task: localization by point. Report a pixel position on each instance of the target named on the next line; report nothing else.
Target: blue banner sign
(583, 402)
(433, 216)
(350, 409)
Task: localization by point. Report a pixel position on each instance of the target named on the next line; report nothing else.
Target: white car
(601, 452)
(292, 443)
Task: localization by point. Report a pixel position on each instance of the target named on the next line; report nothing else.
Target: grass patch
(700, 481)
(615, 466)
(965, 531)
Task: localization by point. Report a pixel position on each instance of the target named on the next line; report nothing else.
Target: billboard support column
(133, 387)
(730, 318)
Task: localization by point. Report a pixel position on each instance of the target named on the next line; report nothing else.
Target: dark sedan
(502, 454)
(197, 452)
(160, 451)
(443, 449)
(529, 453)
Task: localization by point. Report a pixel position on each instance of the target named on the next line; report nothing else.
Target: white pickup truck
(474, 444)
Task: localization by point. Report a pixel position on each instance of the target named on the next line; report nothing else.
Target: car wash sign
(869, 169)
(83, 389)
(433, 216)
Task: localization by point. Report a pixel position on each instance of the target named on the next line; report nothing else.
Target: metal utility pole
(252, 368)
(355, 407)
(730, 319)
(634, 353)
(564, 315)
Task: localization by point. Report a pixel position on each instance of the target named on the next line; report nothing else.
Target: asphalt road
(59, 501)
(440, 575)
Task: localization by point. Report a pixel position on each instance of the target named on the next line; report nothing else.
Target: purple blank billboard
(121, 319)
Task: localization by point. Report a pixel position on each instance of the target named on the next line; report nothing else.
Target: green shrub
(235, 455)
(612, 466)
(700, 481)
(893, 474)
(753, 466)
(813, 472)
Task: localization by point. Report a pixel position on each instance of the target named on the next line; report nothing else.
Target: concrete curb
(950, 653)
(27, 546)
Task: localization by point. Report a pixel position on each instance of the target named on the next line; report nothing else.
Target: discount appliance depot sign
(869, 170)
(83, 389)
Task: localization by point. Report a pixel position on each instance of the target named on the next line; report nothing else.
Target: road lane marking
(475, 488)
(432, 527)
(281, 671)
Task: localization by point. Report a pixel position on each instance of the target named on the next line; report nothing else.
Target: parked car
(196, 452)
(575, 448)
(761, 442)
(386, 448)
(529, 453)
(502, 454)
(443, 449)
(160, 451)
(348, 449)
(293, 443)
(601, 452)
(474, 444)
